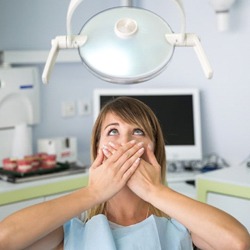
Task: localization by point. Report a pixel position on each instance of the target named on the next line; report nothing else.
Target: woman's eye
(138, 132)
(113, 131)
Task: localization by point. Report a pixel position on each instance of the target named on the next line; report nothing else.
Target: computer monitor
(178, 111)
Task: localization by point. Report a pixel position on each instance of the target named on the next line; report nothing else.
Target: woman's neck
(126, 208)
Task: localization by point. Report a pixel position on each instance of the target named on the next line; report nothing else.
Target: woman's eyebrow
(112, 124)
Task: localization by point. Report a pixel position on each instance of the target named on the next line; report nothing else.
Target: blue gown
(154, 233)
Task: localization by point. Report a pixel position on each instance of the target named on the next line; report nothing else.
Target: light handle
(50, 61)
(60, 42)
(63, 42)
(179, 5)
(192, 40)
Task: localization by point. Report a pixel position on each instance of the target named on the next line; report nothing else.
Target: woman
(128, 205)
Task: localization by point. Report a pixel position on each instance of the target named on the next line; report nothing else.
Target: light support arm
(60, 42)
(192, 40)
(179, 5)
(184, 39)
(63, 42)
(71, 9)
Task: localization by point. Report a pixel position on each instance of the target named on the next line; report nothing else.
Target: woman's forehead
(114, 118)
(110, 117)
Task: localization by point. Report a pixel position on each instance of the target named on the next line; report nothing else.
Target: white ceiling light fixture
(222, 9)
(125, 44)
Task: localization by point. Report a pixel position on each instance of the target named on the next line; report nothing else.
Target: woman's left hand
(146, 177)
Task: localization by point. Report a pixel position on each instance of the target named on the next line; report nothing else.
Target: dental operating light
(125, 44)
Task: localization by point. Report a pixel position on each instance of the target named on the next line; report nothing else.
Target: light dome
(126, 45)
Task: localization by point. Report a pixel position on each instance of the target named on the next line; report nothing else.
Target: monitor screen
(178, 111)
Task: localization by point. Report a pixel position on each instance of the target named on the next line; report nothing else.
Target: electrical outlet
(68, 109)
(84, 107)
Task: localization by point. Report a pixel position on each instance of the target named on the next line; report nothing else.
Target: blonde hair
(131, 111)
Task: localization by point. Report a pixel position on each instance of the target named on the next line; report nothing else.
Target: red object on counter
(24, 165)
(30, 163)
(9, 164)
(49, 161)
(42, 156)
(35, 161)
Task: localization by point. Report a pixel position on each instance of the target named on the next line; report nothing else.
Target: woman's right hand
(106, 178)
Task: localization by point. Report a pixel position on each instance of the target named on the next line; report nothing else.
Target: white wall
(31, 24)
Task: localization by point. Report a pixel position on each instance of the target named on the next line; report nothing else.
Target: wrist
(155, 191)
(86, 198)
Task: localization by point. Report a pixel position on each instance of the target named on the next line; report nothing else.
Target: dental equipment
(123, 45)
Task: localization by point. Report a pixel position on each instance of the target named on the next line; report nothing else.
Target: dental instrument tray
(61, 169)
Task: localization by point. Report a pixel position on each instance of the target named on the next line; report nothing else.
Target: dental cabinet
(14, 197)
(227, 189)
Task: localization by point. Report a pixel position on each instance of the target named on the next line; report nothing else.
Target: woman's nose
(125, 138)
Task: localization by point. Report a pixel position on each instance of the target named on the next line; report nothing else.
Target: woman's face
(115, 130)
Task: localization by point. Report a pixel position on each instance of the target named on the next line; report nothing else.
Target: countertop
(238, 175)
(10, 193)
(232, 181)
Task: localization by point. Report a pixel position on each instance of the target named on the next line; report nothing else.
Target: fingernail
(141, 150)
(105, 151)
(111, 144)
(137, 160)
(132, 142)
(140, 144)
(104, 147)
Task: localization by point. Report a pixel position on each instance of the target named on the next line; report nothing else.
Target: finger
(131, 161)
(98, 160)
(123, 149)
(106, 151)
(110, 148)
(113, 146)
(130, 171)
(150, 155)
(104, 159)
(127, 153)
